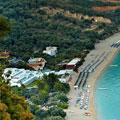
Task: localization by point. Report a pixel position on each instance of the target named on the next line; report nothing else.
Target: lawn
(34, 83)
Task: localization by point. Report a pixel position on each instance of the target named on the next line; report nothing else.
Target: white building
(23, 76)
(50, 51)
(72, 64)
(26, 77)
(63, 72)
(65, 75)
(74, 61)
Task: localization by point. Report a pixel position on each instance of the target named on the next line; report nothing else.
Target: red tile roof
(70, 67)
(34, 65)
(4, 53)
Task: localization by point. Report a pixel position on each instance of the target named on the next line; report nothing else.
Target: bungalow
(4, 55)
(37, 63)
(72, 64)
(50, 51)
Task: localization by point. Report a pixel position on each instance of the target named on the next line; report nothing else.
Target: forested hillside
(74, 26)
(37, 24)
(12, 107)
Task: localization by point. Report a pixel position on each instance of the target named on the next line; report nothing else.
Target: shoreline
(96, 80)
(103, 46)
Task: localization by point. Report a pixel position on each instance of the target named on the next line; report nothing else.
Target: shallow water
(107, 102)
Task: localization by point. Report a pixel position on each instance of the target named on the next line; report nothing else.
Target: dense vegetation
(34, 27)
(12, 107)
(49, 94)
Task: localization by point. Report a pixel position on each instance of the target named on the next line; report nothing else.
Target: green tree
(56, 111)
(12, 107)
(15, 106)
(33, 108)
(54, 118)
(36, 100)
(62, 105)
(66, 87)
(43, 95)
(19, 65)
(4, 115)
(5, 26)
(63, 98)
(42, 85)
(51, 79)
(41, 114)
(58, 87)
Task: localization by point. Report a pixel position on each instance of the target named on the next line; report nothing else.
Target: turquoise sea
(107, 102)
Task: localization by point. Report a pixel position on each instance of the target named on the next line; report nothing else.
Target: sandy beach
(75, 113)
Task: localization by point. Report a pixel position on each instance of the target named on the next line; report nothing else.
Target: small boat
(102, 88)
(114, 65)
